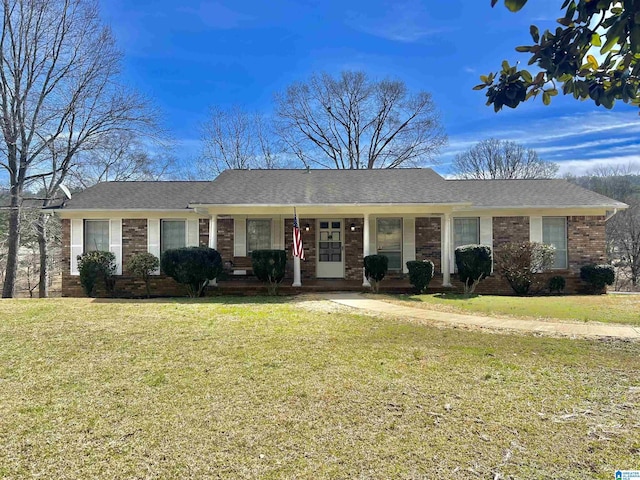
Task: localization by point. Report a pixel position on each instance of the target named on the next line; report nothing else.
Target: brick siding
(586, 244)
(428, 240)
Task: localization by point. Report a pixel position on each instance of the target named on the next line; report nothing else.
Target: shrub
(192, 267)
(519, 262)
(420, 274)
(95, 265)
(557, 284)
(142, 265)
(598, 276)
(474, 264)
(269, 266)
(375, 268)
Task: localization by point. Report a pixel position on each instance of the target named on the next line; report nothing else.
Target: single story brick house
(344, 215)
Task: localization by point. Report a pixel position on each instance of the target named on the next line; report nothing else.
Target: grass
(269, 389)
(623, 309)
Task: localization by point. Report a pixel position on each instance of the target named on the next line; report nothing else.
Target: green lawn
(584, 308)
(269, 389)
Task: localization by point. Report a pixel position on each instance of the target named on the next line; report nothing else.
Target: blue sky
(191, 54)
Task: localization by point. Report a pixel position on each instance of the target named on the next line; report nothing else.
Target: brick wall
(587, 241)
(353, 259)
(134, 239)
(428, 235)
(203, 232)
(225, 238)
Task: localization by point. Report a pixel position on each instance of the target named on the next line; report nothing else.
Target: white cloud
(404, 21)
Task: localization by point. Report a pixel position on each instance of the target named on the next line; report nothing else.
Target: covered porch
(335, 238)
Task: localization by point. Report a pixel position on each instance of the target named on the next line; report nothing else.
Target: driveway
(553, 328)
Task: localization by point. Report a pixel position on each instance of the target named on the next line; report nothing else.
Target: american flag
(298, 251)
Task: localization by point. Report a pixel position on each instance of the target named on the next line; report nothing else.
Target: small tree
(375, 269)
(598, 276)
(269, 266)
(474, 265)
(95, 265)
(143, 265)
(519, 263)
(420, 274)
(192, 267)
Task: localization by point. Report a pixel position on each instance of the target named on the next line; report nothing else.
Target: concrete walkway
(584, 330)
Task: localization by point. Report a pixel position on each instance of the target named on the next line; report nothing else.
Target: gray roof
(137, 195)
(335, 187)
(529, 193)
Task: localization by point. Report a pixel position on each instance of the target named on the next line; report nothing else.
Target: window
(389, 241)
(96, 235)
(258, 235)
(172, 235)
(466, 231)
(554, 232)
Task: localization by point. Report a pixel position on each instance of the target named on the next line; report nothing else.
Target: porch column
(446, 250)
(296, 272)
(213, 239)
(296, 265)
(365, 247)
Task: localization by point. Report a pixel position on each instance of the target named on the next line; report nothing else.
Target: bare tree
(621, 182)
(120, 157)
(499, 159)
(624, 233)
(354, 122)
(58, 97)
(236, 138)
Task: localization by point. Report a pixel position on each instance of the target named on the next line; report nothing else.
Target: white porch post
(213, 239)
(365, 247)
(296, 265)
(446, 250)
(296, 272)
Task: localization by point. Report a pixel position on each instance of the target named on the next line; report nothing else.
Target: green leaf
(596, 41)
(479, 87)
(515, 5)
(526, 76)
(552, 92)
(593, 63)
(505, 65)
(546, 98)
(523, 49)
(535, 33)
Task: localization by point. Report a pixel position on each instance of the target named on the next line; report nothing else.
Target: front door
(330, 249)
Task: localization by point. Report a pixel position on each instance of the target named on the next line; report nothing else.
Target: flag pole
(296, 258)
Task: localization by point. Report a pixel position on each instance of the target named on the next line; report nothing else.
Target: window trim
(162, 220)
(84, 233)
(401, 251)
(246, 232)
(566, 243)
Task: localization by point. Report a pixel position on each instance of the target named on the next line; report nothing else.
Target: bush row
(195, 267)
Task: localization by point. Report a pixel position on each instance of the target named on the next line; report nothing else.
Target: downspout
(610, 215)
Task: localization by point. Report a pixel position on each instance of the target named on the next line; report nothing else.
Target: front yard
(612, 308)
(268, 388)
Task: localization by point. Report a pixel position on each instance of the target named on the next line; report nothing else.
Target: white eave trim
(323, 205)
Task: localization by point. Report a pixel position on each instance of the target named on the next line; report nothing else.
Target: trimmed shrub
(192, 267)
(269, 266)
(519, 262)
(557, 284)
(598, 276)
(420, 274)
(97, 265)
(474, 265)
(143, 265)
(375, 268)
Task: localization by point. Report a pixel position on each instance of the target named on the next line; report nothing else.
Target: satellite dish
(66, 191)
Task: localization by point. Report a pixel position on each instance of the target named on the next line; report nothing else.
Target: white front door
(330, 249)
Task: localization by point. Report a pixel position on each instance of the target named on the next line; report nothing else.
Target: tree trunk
(14, 244)
(43, 286)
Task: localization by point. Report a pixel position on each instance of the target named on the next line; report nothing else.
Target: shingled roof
(529, 193)
(138, 196)
(336, 187)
